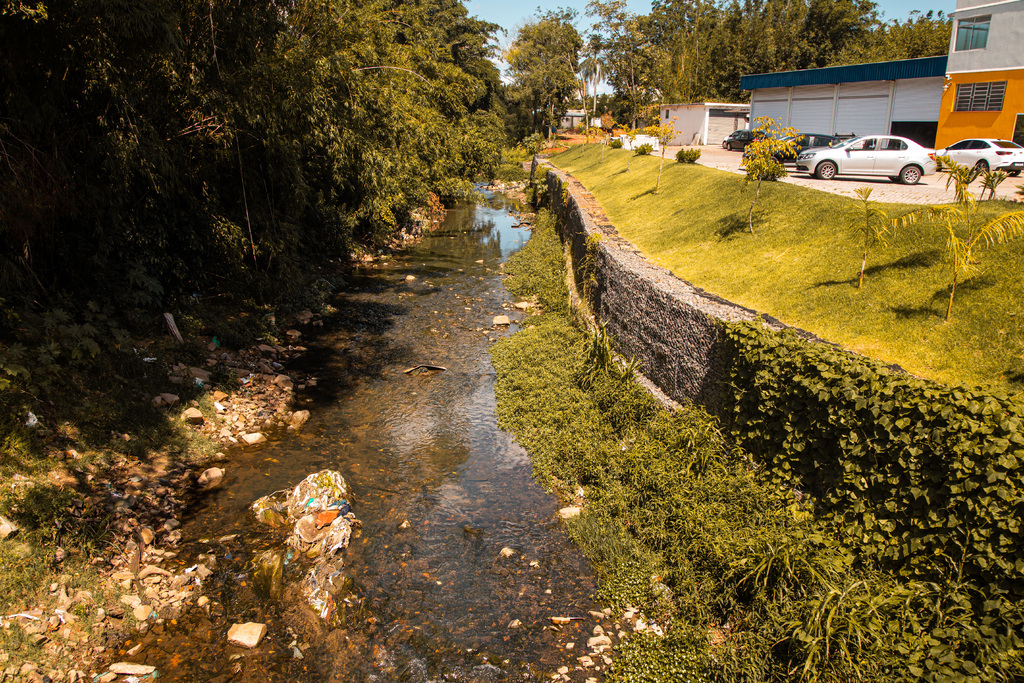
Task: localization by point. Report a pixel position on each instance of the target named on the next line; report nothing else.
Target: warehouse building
(898, 98)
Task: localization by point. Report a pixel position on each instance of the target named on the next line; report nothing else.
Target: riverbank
(93, 564)
(738, 573)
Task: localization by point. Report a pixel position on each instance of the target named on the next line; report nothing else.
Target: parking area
(931, 189)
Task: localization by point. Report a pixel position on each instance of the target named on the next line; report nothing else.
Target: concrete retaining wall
(673, 328)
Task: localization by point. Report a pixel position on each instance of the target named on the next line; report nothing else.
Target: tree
(664, 132)
(544, 63)
(921, 35)
(966, 232)
(761, 157)
(871, 223)
(628, 52)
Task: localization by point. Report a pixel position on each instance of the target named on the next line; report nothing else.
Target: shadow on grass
(642, 194)
(918, 312)
(920, 259)
(1015, 377)
(733, 226)
(936, 305)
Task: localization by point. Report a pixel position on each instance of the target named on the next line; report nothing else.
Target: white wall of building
(703, 123)
(1005, 37)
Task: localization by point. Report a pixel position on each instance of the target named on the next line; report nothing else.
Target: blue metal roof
(923, 67)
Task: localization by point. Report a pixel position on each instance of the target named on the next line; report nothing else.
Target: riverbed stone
(142, 612)
(247, 635)
(298, 419)
(211, 478)
(193, 416)
(8, 529)
(253, 438)
(129, 669)
(570, 512)
(501, 320)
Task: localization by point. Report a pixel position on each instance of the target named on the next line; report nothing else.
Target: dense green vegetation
(803, 264)
(757, 569)
(206, 159)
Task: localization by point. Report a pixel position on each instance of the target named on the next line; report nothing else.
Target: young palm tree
(966, 232)
(871, 222)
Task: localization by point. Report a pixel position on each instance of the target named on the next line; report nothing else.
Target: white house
(704, 123)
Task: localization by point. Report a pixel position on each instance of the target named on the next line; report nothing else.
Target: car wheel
(1013, 174)
(981, 166)
(910, 175)
(826, 170)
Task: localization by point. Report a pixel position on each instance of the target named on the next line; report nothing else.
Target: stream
(439, 489)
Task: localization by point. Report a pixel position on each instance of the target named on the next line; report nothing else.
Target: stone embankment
(672, 327)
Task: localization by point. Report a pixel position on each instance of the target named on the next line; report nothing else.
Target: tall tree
(544, 65)
(624, 39)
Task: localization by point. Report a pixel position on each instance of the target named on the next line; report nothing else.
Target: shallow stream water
(439, 489)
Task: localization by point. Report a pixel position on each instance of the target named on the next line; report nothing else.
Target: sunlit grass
(802, 266)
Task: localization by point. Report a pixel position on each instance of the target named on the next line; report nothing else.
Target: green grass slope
(802, 265)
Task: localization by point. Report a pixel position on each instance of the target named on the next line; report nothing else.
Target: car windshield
(1006, 144)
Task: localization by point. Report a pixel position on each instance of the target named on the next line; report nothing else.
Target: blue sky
(510, 15)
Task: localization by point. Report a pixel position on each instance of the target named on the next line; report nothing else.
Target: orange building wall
(957, 125)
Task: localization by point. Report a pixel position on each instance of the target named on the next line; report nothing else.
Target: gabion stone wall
(670, 326)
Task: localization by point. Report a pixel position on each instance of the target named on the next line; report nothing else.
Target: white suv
(987, 153)
(899, 159)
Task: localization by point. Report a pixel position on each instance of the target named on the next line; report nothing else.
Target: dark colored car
(738, 139)
(807, 141)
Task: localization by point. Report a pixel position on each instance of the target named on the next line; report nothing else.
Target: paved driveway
(931, 189)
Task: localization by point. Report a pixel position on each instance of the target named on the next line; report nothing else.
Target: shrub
(644, 149)
(510, 173)
(615, 144)
(688, 156)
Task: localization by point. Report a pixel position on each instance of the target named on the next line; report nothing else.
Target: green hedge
(926, 476)
(688, 156)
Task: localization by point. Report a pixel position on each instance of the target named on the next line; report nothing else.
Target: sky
(510, 15)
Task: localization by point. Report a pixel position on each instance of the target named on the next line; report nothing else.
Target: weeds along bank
(836, 521)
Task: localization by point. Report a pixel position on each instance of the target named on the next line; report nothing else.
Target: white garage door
(811, 111)
(863, 108)
(769, 103)
(917, 99)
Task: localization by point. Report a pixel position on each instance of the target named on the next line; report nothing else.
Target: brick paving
(931, 189)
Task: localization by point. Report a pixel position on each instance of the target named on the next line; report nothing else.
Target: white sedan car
(986, 153)
(899, 159)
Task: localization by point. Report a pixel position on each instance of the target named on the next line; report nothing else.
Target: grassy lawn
(802, 265)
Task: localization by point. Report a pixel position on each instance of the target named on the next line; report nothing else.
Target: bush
(688, 156)
(644, 150)
(615, 144)
(510, 173)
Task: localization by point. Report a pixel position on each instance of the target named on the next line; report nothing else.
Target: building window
(980, 96)
(972, 34)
